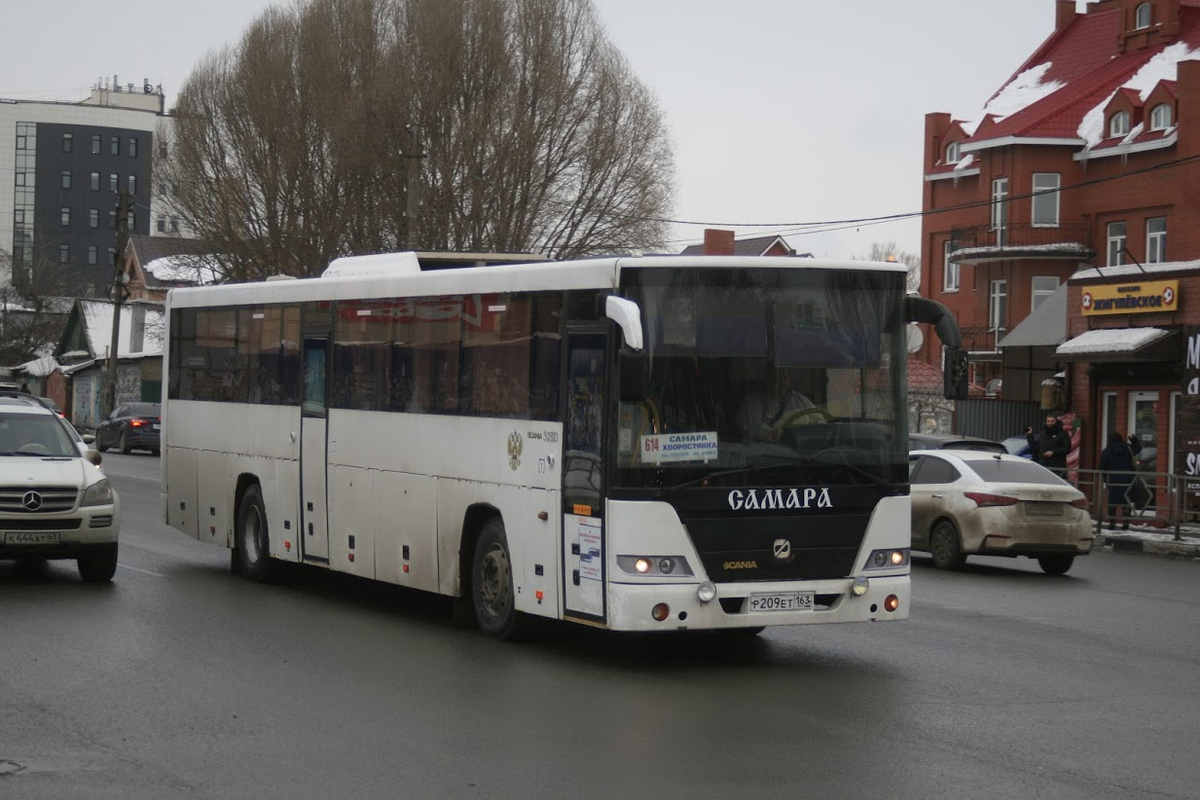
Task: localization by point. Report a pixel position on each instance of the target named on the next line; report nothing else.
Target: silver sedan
(998, 505)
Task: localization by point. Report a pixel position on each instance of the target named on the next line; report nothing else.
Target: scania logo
(768, 499)
(32, 501)
(740, 565)
(782, 549)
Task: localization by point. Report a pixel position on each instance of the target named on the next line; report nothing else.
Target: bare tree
(32, 316)
(887, 251)
(529, 130)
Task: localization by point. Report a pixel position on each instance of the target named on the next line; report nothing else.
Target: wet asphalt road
(181, 680)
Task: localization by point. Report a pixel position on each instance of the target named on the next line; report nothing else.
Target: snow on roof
(1022, 91)
(98, 322)
(1126, 270)
(39, 367)
(1162, 67)
(1110, 340)
(1057, 247)
(193, 269)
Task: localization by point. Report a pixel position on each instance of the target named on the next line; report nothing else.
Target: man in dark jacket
(1050, 446)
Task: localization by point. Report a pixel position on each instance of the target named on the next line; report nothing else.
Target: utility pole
(413, 170)
(109, 398)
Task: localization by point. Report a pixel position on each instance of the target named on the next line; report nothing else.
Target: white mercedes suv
(54, 503)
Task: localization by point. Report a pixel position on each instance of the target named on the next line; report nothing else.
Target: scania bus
(557, 440)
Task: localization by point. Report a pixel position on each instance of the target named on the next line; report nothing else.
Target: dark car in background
(948, 441)
(1018, 446)
(131, 426)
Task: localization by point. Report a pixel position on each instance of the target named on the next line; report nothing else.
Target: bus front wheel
(492, 585)
(252, 540)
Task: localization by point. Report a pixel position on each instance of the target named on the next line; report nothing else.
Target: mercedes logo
(32, 501)
(783, 549)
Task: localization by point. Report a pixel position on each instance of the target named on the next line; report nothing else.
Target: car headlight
(654, 566)
(98, 494)
(887, 559)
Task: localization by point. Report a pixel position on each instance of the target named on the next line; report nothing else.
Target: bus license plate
(791, 601)
(31, 537)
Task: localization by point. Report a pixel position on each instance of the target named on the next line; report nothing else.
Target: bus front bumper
(638, 607)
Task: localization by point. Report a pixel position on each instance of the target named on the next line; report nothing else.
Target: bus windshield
(798, 371)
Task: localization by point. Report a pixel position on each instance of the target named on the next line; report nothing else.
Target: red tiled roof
(1085, 57)
(923, 378)
(926, 379)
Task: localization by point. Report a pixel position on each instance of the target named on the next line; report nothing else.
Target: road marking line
(143, 571)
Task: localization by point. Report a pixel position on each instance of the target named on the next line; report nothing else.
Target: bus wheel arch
(487, 583)
(252, 542)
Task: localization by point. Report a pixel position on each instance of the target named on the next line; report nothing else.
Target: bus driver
(766, 407)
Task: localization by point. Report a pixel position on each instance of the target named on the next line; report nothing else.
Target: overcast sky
(781, 111)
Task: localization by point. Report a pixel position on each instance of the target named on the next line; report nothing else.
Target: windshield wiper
(783, 462)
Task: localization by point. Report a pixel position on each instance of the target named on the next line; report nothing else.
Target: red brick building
(1083, 178)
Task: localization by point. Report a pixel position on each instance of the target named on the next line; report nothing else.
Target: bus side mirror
(633, 376)
(954, 373)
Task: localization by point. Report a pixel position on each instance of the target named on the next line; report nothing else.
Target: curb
(1181, 551)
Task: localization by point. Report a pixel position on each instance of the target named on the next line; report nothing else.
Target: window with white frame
(1042, 287)
(1156, 240)
(1160, 117)
(997, 304)
(1000, 208)
(1118, 124)
(1045, 199)
(1142, 17)
(953, 154)
(1116, 244)
(65, 214)
(950, 278)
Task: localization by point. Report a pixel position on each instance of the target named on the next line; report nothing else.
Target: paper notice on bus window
(672, 448)
(591, 554)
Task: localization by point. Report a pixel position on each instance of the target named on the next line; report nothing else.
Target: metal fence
(1156, 499)
(997, 419)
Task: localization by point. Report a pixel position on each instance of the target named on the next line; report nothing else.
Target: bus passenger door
(314, 518)
(583, 472)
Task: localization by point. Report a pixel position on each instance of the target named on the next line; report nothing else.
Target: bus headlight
(860, 586)
(655, 566)
(707, 592)
(887, 559)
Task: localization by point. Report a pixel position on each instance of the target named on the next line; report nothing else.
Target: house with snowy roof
(1062, 225)
(86, 344)
(153, 265)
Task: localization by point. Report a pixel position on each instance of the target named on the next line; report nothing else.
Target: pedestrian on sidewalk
(1117, 463)
(1050, 446)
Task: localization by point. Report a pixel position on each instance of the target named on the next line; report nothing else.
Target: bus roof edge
(405, 263)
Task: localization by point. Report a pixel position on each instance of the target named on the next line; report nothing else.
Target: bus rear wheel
(252, 540)
(492, 591)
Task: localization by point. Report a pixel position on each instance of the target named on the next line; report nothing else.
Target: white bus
(581, 441)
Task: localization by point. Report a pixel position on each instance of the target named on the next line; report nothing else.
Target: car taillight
(137, 423)
(984, 500)
(1081, 503)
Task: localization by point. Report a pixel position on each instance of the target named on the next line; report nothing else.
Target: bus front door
(583, 473)
(313, 456)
